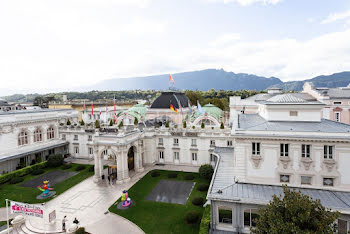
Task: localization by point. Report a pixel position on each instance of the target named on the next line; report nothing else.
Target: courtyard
(60, 179)
(162, 202)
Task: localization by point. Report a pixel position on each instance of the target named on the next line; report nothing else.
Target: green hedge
(21, 172)
(205, 222)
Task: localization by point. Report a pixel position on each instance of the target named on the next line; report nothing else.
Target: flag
(100, 110)
(180, 107)
(172, 108)
(171, 79)
(84, 109)
(189, 107)
(115, 111)
(200, 108)
(106, 116)
(92, 108)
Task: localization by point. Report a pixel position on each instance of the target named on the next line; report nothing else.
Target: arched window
(23, 138)
(207, 122)
(38, 136)
(50, 133)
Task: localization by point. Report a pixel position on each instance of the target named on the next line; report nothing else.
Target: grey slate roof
(262, 194)
(33, 111)
(224, 175)
(283, 98)
(167, 98)
(254, 122)
(335, 93)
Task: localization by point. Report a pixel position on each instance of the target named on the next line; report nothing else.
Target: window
(160, 141)
(305, 151)
(337, 103)
(176, 141)
(212, 143)
(38, 136)
(161, 155)
(284, 178)
(50, 133)
(212, 158)
(328, 152)
(284, 148)
(328, 181)
(305, 180)
(75, 137)
(90, 138)
(293, 113)
(337, 116)
(51, 151)
(63, 136)
(23, 138)
(229, 143)
(250, 217)
(342, 226)
(176, 156)
(194, 156)
(256, 148)
(76, 149)
(91, 150)
(90, 116)
(194, 142)
(105, 152)
(225, 215)
(141, 143)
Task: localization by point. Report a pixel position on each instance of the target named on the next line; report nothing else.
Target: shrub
(222, 125)
(185, 125)
(92, 168)
(192, 217)
(21, 172)
(55, 160)
(193, 127)
(189, 177)
(111, 122)
(203, 187)
(155, 173)
(16, 180)
(80, 230)
(80, 167)
(121, 124)
(97, 124)
(202, 125)
(66, 166)
(206, 171)
(205, 222)
(38, 172)
(136, 121)
(82, 123)
(172, 175)
(68, 122)
(198, 201)
(167, 124)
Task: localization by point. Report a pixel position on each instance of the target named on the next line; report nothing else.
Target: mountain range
(218, 80)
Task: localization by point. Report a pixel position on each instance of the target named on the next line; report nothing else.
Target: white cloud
(225, 39)
(336, 16)
(249, 2)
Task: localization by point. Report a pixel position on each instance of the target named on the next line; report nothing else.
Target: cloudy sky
(55, 45)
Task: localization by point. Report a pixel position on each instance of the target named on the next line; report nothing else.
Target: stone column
(119, 167)
(97, 159)
(139, 159)
(136, 159)
(124, 157)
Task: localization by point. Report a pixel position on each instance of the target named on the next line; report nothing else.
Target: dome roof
(138, 111)
(170, 97)
(210, 110)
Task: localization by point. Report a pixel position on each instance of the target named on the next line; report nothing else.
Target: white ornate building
(274, 139)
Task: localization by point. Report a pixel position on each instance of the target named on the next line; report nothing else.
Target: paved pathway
(89, 203)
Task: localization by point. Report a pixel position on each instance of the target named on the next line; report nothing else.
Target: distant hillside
(341, 79)
(196, 80)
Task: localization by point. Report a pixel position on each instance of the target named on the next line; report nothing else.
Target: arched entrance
(131, 158)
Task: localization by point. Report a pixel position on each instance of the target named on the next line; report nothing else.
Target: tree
(136, 121)
(55, 160)
(111, 122)
(206, 171)
(295, 213)
(97, 124)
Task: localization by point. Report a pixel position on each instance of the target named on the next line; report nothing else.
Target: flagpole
(7, 217)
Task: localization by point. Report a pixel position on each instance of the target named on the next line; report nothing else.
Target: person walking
(109, 179)
(64, 220)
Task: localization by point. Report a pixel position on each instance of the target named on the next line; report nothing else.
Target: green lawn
(24, 194)
(2, 223)
(157, 217)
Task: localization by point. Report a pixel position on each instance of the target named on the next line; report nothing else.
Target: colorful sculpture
(126, 201)
(45, 189)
